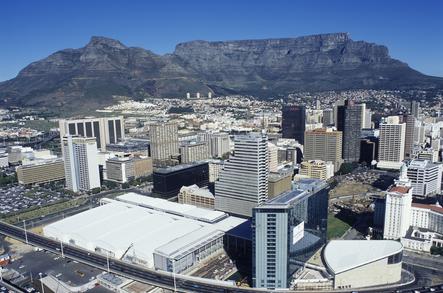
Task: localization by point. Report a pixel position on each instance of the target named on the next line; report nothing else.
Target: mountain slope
(86, 78)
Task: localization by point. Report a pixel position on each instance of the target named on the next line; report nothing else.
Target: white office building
(243, 182)
(398, 207)
(108, 130)
(273, 157)
(392, 143)
(425, 177)
(81, 166)
(218, 143)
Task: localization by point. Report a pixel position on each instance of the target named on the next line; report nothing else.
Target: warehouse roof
(344, 255)
(184, 210)
(115, 225)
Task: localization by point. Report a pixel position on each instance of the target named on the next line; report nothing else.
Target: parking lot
(17, 198)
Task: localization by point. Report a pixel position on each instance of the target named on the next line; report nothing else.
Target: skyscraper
(415, 109)
(287, 231)
(164, 141)
(81, 166)
(349, 121)
(392, 143)
(294, 122)
(273, 157)
(108, 130)
(324, 144)
(409, 135)
(243, 181)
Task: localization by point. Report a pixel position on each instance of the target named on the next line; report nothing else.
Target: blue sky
(31, 30)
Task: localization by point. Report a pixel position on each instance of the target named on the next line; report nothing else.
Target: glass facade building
(168, 181)
(349, 117)
(294, 122)
(287, 232)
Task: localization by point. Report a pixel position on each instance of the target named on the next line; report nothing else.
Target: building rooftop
(344, 255)
(399, 189)
(303, 187)
(436, 208)
(115, 225)
(421, 164)
(184, 210)
(178, 167)
(203, 192)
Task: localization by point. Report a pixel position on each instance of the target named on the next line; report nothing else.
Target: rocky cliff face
(73, 79)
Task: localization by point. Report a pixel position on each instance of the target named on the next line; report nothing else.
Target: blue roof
(243, 231)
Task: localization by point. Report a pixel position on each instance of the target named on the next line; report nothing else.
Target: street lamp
(107, 259)
(61, 246)
(26, 234)
(173, 275)
(41, 282)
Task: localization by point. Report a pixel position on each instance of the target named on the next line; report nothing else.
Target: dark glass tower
(287, 231)
(349, 118)
(294, 122)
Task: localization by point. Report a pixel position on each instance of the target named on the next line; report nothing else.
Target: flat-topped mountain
(86, 78)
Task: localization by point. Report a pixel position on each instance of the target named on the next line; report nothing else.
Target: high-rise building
(243, 181)
(409, 135)
(273, 157)
(193, 151)
(164, 141)
(108, 130)
(328, 117)
(392, 143)
(81, 166)
(218, 143)
(415, 109)
(294, 122)
(425, 177)
(349, 121)
(398, 207)
(324, 144)
(279, 182)
(124, 169)
(287, 231)
(317, 169)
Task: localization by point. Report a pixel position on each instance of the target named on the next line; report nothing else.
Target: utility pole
(26, 234)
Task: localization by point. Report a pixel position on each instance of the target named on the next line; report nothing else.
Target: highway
(157, 278)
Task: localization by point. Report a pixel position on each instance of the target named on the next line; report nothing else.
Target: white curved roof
(344, 255)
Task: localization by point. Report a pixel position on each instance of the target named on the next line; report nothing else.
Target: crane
(123, 255)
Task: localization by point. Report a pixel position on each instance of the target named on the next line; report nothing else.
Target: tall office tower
(415, 109)
(273, 157)
(81, 166)
(337, 104)
(164, 141)
(324, 144)
(109, 130)
(367, 123)
(425, 177)
(398, 207)
(294, 122)
(243, 181)
(391, 148)
(218, 143)
(287, 231)
(409, 135)
(328, 117)
(349, 117)
(363, 114)
(193, 151)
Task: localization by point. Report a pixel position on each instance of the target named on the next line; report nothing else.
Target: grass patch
(336, 227)
(44, 210)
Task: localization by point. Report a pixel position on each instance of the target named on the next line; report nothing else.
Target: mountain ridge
(87, 77)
